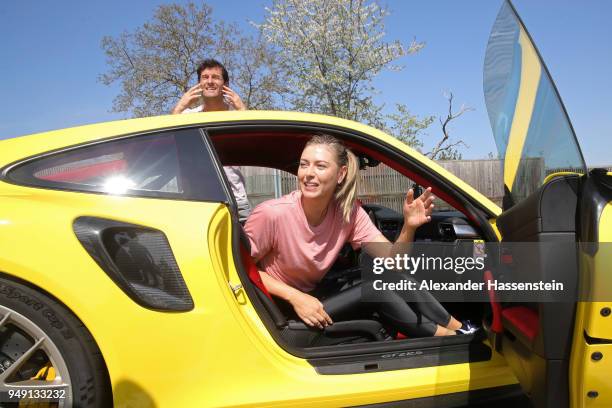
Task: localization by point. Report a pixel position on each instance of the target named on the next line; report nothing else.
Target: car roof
(19, 148)
(30, 145)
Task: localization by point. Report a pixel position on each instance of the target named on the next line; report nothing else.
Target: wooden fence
(385, 186)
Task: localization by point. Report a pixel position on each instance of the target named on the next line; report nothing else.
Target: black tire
(88, 378)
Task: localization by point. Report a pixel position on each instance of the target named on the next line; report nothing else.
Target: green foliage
(407, 127)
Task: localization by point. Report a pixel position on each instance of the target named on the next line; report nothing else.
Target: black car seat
(297, 333)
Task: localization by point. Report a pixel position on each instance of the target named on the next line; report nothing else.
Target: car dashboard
(445, 226)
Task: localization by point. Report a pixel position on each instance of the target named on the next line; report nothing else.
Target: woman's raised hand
(310, 310)
(418, 211)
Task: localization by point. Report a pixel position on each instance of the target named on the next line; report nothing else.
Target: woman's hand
(417, 211)
(309, 309)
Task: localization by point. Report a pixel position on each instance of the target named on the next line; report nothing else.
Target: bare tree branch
(444, 148)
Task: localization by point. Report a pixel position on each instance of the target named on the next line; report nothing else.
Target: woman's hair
(346, 192)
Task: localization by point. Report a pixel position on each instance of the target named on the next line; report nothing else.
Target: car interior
(280, 147)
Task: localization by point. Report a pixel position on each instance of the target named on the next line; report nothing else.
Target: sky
(50, 60)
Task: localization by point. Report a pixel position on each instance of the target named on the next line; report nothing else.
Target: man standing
(212, 94)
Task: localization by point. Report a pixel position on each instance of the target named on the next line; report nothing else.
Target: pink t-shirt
(292, 251)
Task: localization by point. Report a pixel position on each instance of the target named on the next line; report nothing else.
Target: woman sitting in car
(295, 240)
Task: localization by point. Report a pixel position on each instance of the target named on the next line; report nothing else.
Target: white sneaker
(467, 328)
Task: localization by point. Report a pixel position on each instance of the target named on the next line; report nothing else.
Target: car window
(172, 164)
(532, 130)
(379, 185)
(387, 187)
(263, 183)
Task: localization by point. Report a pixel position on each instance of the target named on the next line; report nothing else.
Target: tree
(445, 149)
(410, 129)
(332, 50)
(260, 79)
(156, 63)
(407, 127)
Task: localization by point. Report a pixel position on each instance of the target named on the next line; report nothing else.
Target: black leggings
(415, 316)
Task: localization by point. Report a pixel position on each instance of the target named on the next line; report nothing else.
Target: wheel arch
(43, 291)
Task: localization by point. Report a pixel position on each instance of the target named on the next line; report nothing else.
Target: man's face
(211, 81)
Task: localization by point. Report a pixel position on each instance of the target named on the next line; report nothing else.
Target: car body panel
(493, 224)
(596, 325)
(589, 374)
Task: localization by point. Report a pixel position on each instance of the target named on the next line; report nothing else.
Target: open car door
(559, 350)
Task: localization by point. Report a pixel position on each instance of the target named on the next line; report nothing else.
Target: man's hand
(309, 309)
(417, 211)
(188, 99)
(233, 98)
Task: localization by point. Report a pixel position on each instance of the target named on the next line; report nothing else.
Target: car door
(550, 199)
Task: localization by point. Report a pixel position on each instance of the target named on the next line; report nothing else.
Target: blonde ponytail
(346, 193)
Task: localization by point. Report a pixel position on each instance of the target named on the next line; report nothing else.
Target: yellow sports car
(124, 278)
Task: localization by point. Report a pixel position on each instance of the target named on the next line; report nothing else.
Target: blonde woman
(296, 239)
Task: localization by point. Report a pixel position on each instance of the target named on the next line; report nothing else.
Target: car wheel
(45, 351)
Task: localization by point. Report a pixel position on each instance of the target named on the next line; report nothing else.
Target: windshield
(532, 131)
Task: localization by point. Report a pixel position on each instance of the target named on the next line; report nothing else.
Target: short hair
(212, 63)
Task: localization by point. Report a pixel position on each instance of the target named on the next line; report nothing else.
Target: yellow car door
(555, 348)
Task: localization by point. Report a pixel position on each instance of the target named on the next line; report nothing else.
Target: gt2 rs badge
(403, 354)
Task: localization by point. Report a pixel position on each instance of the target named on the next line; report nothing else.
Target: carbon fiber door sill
(411, 358)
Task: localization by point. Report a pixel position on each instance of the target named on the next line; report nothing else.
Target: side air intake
(138, 259)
